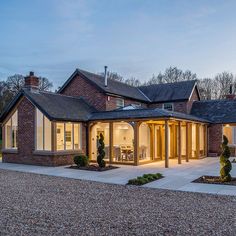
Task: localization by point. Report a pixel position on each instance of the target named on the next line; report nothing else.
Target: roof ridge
(117, 81)
(170, 83)
(62, 95)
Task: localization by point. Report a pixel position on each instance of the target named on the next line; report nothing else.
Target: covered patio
(141, 141)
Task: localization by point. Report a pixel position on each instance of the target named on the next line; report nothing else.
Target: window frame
(122, 100)
(168, 103)
(43, 133)
(11, 133)
(72, 137)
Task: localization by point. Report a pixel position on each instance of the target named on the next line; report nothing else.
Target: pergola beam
(110, 142)
(179, 143)
(166, 144)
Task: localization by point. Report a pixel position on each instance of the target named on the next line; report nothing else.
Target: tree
(101, 152)
(133, 82)
(13, 84)
(225, 163)
(113, 76)
(173, 74)
(223, 81)
(5, 95)
(206, 88)
(45, 84)
(159, 79)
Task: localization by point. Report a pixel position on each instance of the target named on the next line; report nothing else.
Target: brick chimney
(31, 81)
(230, 96)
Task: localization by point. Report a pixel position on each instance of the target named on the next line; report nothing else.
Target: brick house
(140, 124)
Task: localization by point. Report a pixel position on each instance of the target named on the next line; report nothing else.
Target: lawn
(44, 205)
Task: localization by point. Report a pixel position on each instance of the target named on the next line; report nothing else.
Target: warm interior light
(227, 125)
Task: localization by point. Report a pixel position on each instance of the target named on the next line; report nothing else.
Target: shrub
(81, 160)
(225, 164)
(146, 178)
(101, 152)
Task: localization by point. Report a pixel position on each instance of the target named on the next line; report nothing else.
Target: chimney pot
(32, 81)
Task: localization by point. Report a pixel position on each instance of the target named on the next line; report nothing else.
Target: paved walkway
(177, 177)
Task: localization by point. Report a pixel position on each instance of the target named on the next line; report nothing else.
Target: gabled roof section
(170, 92)
(142, 114)
(113, 86)
(55, 106)
(217, 111)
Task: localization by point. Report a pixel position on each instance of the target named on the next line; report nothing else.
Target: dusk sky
(132, 37)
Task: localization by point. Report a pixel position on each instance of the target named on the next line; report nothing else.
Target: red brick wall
(183, 107)
(215, 133)
(81, 88)
(26, 141)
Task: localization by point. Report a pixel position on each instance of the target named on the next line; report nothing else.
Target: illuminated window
(43, 132)
(11, 132)
(68, 136)
(120, 102)
(230, 132)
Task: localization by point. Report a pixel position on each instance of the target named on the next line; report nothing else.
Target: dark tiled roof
(178, 91)
(113, 87)
(143, 113)
(217, 111)
(55, 106)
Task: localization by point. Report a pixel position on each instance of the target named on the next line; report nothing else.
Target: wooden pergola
(171, 142)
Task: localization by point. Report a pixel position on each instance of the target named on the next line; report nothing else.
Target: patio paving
(177, 177)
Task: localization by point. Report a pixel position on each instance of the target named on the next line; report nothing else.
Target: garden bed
(213, 180)
(146, 178)
(93, 167)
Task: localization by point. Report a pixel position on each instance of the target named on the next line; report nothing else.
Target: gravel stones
(34, 204)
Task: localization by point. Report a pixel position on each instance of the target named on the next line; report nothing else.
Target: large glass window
(43, 132)
(123, 142)
(68, 136)
(144, 142)
(11, 131)
(97, 129)
(230, 132)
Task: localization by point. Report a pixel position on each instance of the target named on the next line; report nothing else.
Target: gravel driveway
(33, 204)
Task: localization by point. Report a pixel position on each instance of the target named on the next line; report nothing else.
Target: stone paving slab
(177, 177)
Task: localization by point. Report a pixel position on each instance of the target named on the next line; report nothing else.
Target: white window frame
(168, 103)
(73, 138)
(5, 133)
(36, 139)
(120, 102)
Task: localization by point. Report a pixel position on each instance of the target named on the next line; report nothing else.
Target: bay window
(11, 131)
(68, 136)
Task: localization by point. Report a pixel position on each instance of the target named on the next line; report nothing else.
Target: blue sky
(133, 37)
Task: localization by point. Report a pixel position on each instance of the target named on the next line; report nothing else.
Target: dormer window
(120, 102)
(168, 106)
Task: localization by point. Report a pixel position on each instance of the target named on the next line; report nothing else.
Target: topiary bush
(225, 164)
(81, 160)
(101, 152)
